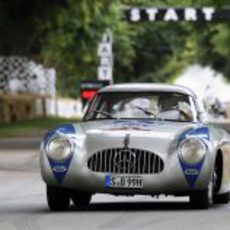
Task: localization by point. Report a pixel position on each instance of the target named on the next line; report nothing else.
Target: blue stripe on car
(200, 132)
(59, 169)
(107, 180)
(191, 172)
(64, 129)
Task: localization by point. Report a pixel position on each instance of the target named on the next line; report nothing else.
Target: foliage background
(64, 34)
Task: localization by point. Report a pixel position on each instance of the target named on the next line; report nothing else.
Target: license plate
(123, 181)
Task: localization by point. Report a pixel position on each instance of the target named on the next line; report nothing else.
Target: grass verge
(31, 127)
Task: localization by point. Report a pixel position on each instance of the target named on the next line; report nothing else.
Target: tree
(65, 34)
(71, 44)
(21, 23)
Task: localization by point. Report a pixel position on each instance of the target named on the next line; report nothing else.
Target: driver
(175, 108)
(138, 104)
(185, 111)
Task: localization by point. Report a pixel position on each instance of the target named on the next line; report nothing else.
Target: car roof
(147, 87)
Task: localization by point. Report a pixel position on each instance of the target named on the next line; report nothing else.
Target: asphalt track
(23, 202)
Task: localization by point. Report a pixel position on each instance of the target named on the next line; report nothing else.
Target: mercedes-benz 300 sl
(147, 139)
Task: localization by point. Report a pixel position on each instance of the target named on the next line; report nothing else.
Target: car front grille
(125, 161)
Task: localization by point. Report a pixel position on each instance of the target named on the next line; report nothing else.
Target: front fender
(198, 175)
(53, 172)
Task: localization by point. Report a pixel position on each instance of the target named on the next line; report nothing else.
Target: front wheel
(200, 199)
(81, 200)
(204, 198)
(221, 199)
(58, 199)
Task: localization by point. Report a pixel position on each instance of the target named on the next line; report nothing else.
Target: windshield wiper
(146, 111)
(174, 120)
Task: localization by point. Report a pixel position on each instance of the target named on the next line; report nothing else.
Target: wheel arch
(222, 162)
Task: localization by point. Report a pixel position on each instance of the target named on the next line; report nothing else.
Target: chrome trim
(125, 161)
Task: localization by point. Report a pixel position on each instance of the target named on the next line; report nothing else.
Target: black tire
(200, 199)
(58, 199)
(204, 198)
(221, 199)
(81, 200)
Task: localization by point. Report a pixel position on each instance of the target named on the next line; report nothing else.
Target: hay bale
(17, 107)
(4, 112)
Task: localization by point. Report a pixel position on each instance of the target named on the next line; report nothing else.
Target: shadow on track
(110, 207)
(137, 206)
(133, 206)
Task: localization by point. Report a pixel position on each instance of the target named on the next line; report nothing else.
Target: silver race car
(138, 139)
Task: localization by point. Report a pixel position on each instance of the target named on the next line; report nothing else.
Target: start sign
(176, 14)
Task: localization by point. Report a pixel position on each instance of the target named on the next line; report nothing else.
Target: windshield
(141, 105)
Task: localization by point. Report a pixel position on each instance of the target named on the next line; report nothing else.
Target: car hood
(156, 136)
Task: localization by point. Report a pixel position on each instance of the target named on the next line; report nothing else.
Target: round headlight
(59, 148)
(192, 151)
